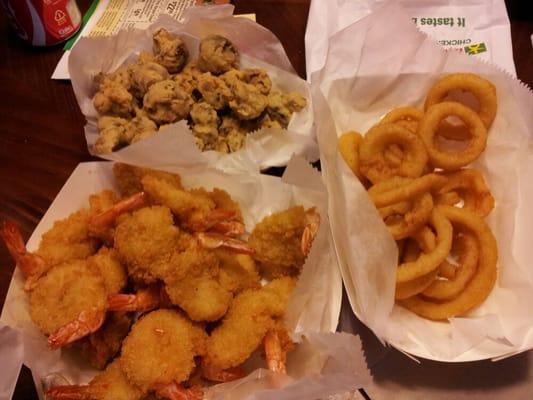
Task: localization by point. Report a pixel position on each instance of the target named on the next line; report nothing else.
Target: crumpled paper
(454, 23)
(258, 48)
(11, 354)
(364, 78)
(324, 364)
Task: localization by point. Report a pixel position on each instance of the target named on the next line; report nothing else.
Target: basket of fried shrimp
(145, 283)
(427, 169)
(146, 89)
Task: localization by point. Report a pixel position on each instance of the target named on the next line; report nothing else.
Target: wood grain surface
(41, 127)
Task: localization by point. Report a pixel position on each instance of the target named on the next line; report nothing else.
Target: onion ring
(426, 239)
(415, 286)
(452, 160)
(349, 144)
(471, 187)
(399, 189)
(431, 261)
(445, 290)
(412, 218)
(372, 161)
(481, 284)
(407, 117)
(482, 89)
(447, 270)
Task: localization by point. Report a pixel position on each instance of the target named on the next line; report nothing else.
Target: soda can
(43, 22)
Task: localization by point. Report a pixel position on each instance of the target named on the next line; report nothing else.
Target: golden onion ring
(372, 161)
(407, 117)
(399, 189)
(481, 284)
(482, 89)
(431, 261)
(412, 218)
(448, 160)
(413, 287)
(349, 148)
(468, 259)
(471, 187)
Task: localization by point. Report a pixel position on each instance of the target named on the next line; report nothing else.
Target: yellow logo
(475, 48)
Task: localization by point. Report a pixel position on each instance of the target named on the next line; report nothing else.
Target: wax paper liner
(326, 362)
(258, 48)
(373, 66)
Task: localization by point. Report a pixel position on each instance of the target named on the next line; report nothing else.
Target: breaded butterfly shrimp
(158, 354)
(253, 313)
(282, 240)
(107, 263)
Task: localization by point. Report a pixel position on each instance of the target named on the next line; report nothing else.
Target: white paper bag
(362, 80)
(480, 27)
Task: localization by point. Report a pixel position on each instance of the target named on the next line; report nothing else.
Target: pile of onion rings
(412, 163)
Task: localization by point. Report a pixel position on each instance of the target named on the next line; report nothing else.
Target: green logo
(476, 48)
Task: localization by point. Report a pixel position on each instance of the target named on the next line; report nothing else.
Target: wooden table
(41, 142)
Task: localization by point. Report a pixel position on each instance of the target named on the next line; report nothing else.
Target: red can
(43, 22)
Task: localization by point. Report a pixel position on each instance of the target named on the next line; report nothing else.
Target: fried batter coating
(64, 292)
(248, 102)
(113, 99)
(170, 51)
(185, 204)
(251, 315)
(112, 134)
(101, 201)
(121, 76)
(160, 349)
(204, 125)
(217, 55)
(107, 263)
(258, 78)
(144, 75)
(191, 282)
(166, 102)
(237, 271)
(277, 243)
(139, 128)
(223, 200)
(232, 133)
(188, 78)
(103, 345)
(281, 106)
(145, 241)
(129, 178)
(214, 91)
(68, 239)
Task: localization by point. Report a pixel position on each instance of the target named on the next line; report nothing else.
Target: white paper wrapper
(326, 362)
(258, 48)
(11, 354)
(454, 24)
(364, 78)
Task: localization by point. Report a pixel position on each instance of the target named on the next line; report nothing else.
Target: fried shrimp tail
(174, 391)
(217, 240)
(275, 355)
(312, 223)
(31, 265)
(86, 323)
(71, 392)
(144, 300)
(222, 375)
(105, 219)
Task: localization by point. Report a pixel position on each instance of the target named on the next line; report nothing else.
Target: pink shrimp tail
(222, 375)
(312, 219)
(107, 218)
(202, 223)
(144, 300)
(175, 391)
(29, 264)
(85, 324)
(216, 240)
(275, 355)
(70, 392)
(229, 228)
